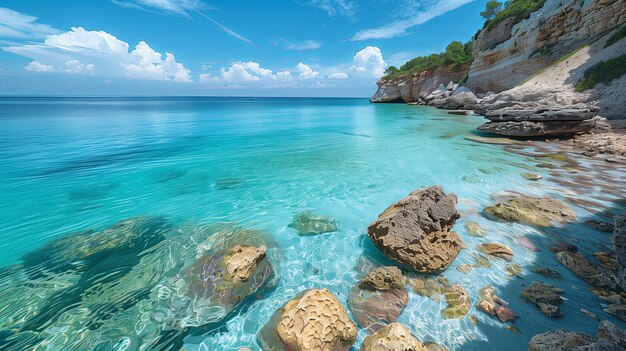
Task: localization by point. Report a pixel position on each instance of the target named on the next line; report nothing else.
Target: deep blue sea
(76, 164)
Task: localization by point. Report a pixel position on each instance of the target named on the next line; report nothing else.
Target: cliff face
(507, 54)
(409, 88)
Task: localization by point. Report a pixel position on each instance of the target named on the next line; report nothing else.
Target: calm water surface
(71, 165)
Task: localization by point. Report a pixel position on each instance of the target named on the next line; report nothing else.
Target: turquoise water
(76, 164)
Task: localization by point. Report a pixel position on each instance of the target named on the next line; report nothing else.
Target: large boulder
(587, 271)
(537, 211)
(313, 320)
(379, 298)
(416, 230)
(394, 337)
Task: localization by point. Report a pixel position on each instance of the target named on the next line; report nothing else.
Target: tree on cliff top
(492, 8)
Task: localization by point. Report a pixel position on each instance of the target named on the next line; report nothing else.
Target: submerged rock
(458, 300)
(497, 250)
(417, 230)
(429, 287)
(563, 246)
(492, 304)
(313, 320)
(531, 176)
(609, 338)
(379, 298)
(474, 229)
(310, 223)
(537, 211)
(619, 238)
(546, 297)
(394, 337)
(618, 310)
(587, 271)
(602, 226)
(547, 272)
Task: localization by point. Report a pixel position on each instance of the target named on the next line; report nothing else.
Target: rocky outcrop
(416, 86)
(393, 337)
(587, 271)
(313, 320)
(546, 297)
(508, 53)
(379, 298)
(416, 230)
(609, 337)
(537, 211)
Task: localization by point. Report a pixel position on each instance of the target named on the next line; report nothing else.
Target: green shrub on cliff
(518, 9)
(604, 72)
(456, 55)
(617, 36)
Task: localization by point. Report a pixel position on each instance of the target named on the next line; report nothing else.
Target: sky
(333, 48)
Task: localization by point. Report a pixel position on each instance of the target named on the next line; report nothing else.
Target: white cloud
(335, 7)
(17, 25)
(99, 53)
(305, 45)
(368, 62)
(306, 72)
(431, 10)
(36, 66)
(246, 72)
(338, 75)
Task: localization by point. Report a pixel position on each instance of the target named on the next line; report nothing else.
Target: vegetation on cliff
(617, 36)
(456, 55)
(496, 12)
(604, 72)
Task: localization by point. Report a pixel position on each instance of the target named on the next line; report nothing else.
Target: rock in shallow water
(379, 298)
(416, 230)
(394, 337)
(497, 250)
(459, 302)
(587, 271)
(609, 338)
(546, 297)
(313, 320)
(311, 223)
(537, 211)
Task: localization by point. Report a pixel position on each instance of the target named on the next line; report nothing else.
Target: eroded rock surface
(459, 302)
(394, 337)
(314, 320)
(417, 230)
(241, 261)
(492, 304)
(587, 271)
(497, 250)
(537, 211)
(609, 338)
(546, 297)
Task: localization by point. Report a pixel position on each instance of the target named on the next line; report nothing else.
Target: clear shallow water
(77, 164)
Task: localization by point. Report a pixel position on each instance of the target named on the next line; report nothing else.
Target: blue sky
(237, 48)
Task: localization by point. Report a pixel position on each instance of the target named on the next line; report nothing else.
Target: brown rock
(241, 261)
(497, 250)
(394, 337)
(383, 278)
(313, 320)
(416, 230)
(459, 302)
(537, 211)
(379, 298)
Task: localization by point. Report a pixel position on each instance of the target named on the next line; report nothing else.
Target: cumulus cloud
(246, 72)
(368, 62)
(397, 28)
(306, 72)
(99, 53)
(16, 25)
(36, 66)
(338, 75)
(305, 45)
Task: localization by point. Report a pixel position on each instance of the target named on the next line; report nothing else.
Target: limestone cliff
(508, 53)
(410, 87)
